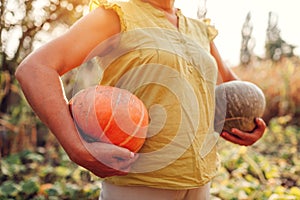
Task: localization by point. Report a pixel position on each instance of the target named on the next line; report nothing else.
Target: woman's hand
(245, 138)
(103, 159)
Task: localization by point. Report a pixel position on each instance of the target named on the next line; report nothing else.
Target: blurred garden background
(33, 165)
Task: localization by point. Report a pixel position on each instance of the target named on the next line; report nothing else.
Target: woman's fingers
(245, 138)
(112, 156)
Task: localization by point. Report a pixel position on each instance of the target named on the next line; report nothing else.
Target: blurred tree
(248, 42)
(201, 9)
(275, 46)
(25, 25)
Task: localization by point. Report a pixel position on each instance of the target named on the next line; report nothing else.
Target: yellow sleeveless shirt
(171, 70)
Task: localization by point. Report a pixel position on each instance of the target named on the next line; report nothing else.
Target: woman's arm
(39, 77)
(242, 138)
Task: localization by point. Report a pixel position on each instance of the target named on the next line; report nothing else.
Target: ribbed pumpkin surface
(110, 114)
(238, 103)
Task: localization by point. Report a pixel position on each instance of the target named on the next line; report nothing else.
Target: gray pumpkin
(238, 103)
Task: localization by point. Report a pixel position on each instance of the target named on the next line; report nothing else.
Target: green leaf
(29, 187)
(9, 188)
(72, 190)
(10, 169)
(53, 192)
(13, 159)
(62, 171)
(34, 157)
(45, 170)
(5, 169)
(39, 198)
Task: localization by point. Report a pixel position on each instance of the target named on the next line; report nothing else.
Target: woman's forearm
(43, 90)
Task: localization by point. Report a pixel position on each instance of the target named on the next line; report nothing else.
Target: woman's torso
(170, 69)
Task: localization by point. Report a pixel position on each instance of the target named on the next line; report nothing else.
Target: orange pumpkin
(112, 115)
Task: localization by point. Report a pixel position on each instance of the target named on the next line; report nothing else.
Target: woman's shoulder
(107, 3)
(119, 7)
(204, 25)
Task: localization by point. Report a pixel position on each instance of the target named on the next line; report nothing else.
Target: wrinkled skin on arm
(39, 77)
(239, 137)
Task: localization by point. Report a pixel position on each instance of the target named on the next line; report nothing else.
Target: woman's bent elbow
(20, 73)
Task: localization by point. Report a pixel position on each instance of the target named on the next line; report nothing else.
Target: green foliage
(268, 170)
(45, 174)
